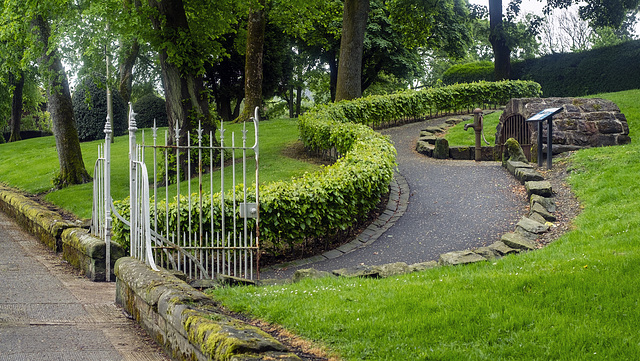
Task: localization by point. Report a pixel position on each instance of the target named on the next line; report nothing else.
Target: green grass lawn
(30, 164)
(576, 299)
(458, 137)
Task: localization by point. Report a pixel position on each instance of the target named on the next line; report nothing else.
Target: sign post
(540, 117)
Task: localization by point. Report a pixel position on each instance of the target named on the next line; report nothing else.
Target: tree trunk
(298, 100)
(333, 74)
(354, 25)
(72, 170)
(16, 105)
(497, 38)
(187, 103)
(128, 56)
(125, 76)
(253, 63)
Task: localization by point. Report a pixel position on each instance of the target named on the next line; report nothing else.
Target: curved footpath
(451, 205)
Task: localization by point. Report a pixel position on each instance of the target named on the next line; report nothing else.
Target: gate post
(132, 183)
(107, 198)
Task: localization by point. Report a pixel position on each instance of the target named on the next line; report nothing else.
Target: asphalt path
(453, 205)
(49, 312)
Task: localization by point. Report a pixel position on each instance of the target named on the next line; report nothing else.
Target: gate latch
(248, 210)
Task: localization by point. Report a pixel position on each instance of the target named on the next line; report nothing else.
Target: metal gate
(183, 220)
(515, 126)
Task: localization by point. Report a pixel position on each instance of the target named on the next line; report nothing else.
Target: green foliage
(469, 72)
(606, 69)
(458, 137)
(149, 108)
(90, 109)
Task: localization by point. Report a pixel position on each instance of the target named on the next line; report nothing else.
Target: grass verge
(29, 165)
(576, 299)
(458, 137)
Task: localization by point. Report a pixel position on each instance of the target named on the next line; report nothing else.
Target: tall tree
(498, 40)
(253, 63)
(17, 81)
(72, 169)
(354, 24)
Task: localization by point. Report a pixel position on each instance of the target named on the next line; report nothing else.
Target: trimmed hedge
(469, 72)
(320, 204)
(90, 110)
(603, 70)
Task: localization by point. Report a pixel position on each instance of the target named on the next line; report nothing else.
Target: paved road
(48, 312)
(453, 205)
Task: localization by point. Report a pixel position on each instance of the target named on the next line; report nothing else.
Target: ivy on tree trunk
(72, 169)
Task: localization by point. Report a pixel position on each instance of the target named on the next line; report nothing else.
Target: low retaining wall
(185, 321)
(78, 247)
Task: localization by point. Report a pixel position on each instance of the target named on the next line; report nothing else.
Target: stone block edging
(82, 250)
(186, 322)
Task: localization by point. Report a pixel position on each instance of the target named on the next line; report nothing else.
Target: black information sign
(540, 117)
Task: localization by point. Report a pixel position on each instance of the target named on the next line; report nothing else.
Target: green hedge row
(602, 70)
(318, 205)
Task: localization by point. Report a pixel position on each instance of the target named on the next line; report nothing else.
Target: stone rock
(486, 252)
(393, 269)
(441, 150)
(541, 188)
(417, 267)
(432, 130)
(201, 284)
(430, 138)
(517, 241)
(358, 271)
(527, 175)
(461, 153)
(548, 203)
(425, 148)
(537, 217)
(453, 121)
(539, 209)
(235, 281)
(532, 226)
(502, 249)
(513, 151)
(512, 165)
(301, 274)
(460, 257)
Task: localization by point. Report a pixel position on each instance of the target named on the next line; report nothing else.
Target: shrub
(90, 109)
(149, 108)
(469, 73)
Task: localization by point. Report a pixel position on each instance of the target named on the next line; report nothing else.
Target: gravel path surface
(453, 205)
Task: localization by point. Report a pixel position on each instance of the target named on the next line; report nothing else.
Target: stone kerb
(78, 247)
(186, 322)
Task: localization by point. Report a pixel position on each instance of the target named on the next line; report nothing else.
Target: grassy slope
(577, 299)
(30, 164)
(457, 136)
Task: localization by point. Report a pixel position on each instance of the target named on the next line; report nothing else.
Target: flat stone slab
(425, 148)
(417, 267)
(460, 257)
(453, 121)
(539, 209)
(486, 252)
(527, 175)
(548, 203)
(513, 165)
(432, 130)
(532, 226)
(517, 241)
(502, 249)
(359, 271)
(393, 269)
(309, 273)
(537, 217)
(429, 138)
(541, 188)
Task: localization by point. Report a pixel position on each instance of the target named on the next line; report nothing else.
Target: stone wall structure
(582, 123)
